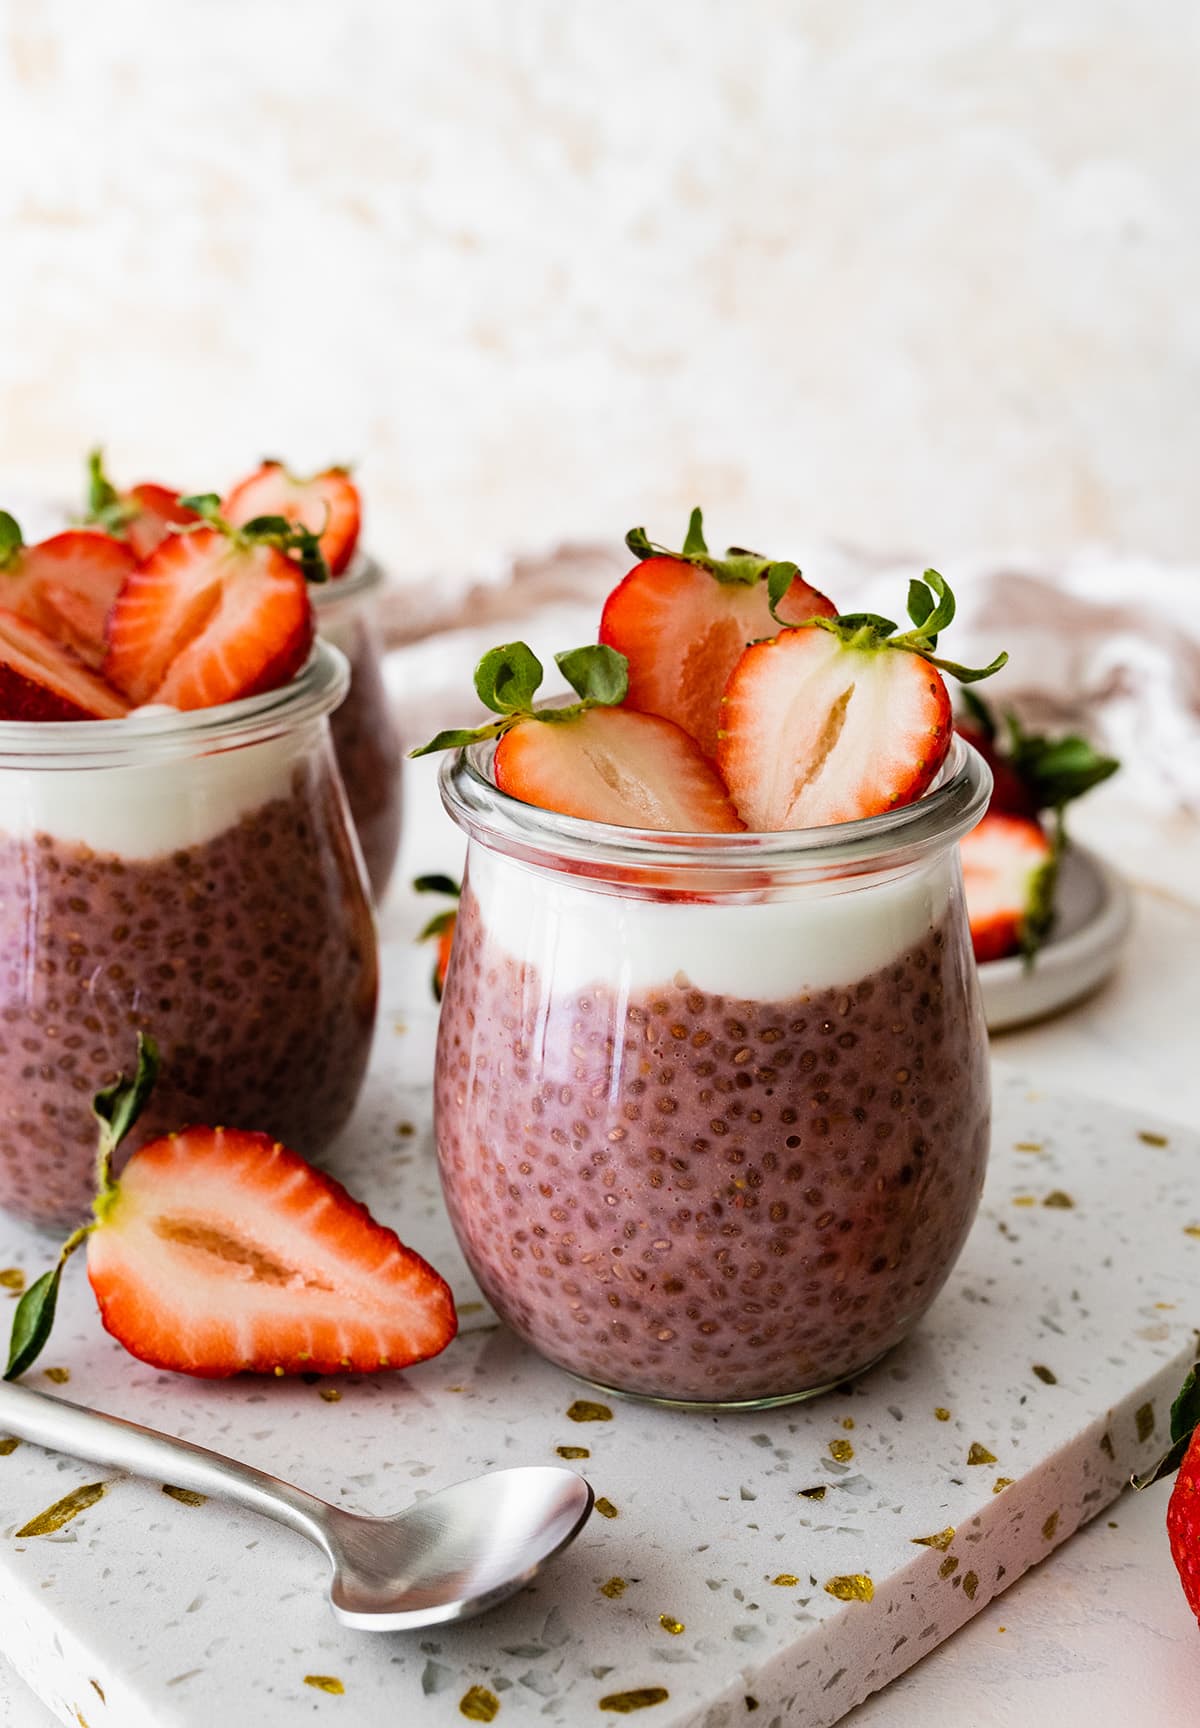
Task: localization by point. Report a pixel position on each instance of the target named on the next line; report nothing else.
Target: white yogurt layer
(768, 950)
(150, 807)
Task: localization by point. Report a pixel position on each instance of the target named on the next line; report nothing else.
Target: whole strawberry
(1183, 1509)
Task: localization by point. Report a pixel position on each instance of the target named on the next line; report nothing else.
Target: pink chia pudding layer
(706, 1197)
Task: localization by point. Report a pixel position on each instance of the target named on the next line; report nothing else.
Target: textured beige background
(921, 275)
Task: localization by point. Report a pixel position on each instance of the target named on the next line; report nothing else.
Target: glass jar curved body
(194, 877)
(365, 734)
(713, 1118)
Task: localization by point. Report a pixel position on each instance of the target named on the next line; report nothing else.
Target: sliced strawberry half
(221, 1252)
(207, 619)
(67, 585)
(41, 680)
(816, 731)
(327, 503)
(619, 766)
(156, 510)
(683, 621)
(1008, 873)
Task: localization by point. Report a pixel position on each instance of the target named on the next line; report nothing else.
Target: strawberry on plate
(682, 620)
(220, 1252)
(66, 585)
(327, 504)
(1031, 771)
(440, 927)
(40, 680)
(142, 517)
(1009, 868)
(214, 614)
(839, 718)
(592, 758)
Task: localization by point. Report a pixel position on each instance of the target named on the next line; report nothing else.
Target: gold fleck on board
(479, 1705)
(1046, 1375)
(641, 1698)
(12, 1279)
(786, 1580)
(669, 1624)
(325, 1683)
(851, 1587)
(62, 1511)
(185, 1496)
(572, 1451)
(1049, 1527)
(1144, 1419)
(606, 1508)
(812, 1493)
(970, 1585)
(583, 1410)
(948, 1565)
(1148, 1138)
(942, 1414)
(330, 1394)
(8, 1445)
(1001, 1483)
(942, 1539)
(60, 1376)
(841, 1451)
(1058, 1200)
(980, 1454)
(613, 1587)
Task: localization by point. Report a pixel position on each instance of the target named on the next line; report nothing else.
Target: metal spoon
(447, 1557)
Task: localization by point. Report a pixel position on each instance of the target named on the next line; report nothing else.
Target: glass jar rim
(363, 576)
(157, 733)
(894, 840)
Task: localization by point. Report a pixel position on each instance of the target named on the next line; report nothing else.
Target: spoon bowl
(450, 1555)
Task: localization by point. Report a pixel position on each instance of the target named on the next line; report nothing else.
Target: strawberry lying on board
(440, 927)
(219, 1252)
(682, 620)
(839, 718)
(326, 504)
(1183, 1508)
(592, 758)
(142, 517)
(1011, 861)
(216, 613)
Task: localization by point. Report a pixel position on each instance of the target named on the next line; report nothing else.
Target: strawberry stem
(508, 678)
(1185, 1420)
(302, 545)
(737, 566)
(931, 606)
(117, 1108)
(11, 540)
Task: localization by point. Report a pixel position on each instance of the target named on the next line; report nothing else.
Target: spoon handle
(111, 1441)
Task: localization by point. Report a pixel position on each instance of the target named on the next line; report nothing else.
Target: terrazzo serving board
(775, 1566)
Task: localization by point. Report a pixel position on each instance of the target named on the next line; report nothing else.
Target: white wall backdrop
(923, 276)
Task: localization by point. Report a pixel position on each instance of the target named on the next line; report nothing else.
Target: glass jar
(365, 734)
(712, 1112)
(193, 876)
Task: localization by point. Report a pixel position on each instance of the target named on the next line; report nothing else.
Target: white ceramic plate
(1090, 926)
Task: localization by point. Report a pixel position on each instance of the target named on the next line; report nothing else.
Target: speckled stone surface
(1055, 1349)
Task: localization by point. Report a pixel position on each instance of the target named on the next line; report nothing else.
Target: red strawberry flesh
(1002, 861)
(223, 1252)
(158, 511)
(815, 731)
(617, 766)
(41, 680)
(328, 504)
(206, 621)
(683, 632)
(67, 586)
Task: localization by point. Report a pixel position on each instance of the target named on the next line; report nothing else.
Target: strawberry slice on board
(66, 585)
(220, 1252)
(41, 680)
(213, 615)
(1009, 868)
(327, 504)
(682, 620)
(839, 718)
(593, 758)
(142, 517)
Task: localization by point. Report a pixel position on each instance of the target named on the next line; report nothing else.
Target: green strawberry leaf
(693, 540)
(507, 678)
(965, 674)
(457, 738)
(117, 1107)
(104, 507)
(10, 538)
(1056, 770)
(439, 922)
(780, 577)
(205, 504)
(437, 884)
(595, 672)
(1039, 910)
(33, 1322)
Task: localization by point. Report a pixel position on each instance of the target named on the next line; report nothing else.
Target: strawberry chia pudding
(712, 1112)
(191, 875)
